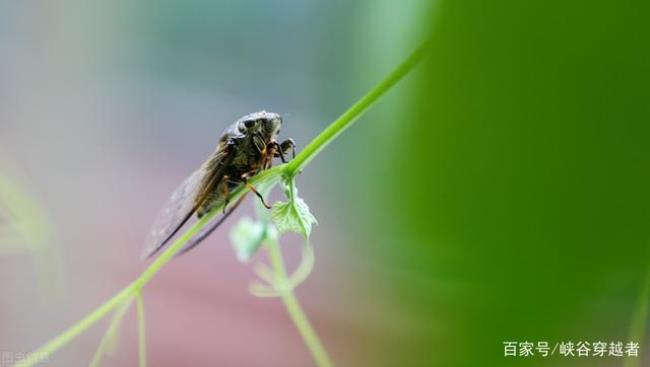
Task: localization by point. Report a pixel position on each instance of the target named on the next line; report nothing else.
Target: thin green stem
(96, 315)
(142, 337)
(109, 339)
(353, 113)
(85, 323)
(293, 308)
(81, 326)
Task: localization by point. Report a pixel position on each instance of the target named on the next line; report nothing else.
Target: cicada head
(263, 124)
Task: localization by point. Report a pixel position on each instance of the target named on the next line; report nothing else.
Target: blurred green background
(514, 198)
(500, 192)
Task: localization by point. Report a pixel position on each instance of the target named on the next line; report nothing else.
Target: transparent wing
(183, 203)
(207, 231)
(176, 212)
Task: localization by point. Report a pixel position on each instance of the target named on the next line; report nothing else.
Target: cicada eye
(245, 125)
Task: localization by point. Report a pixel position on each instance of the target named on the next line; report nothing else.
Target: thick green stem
(293, 307)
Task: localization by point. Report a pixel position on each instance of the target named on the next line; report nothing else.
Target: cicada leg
(279, 150)
(226, 193)
(288, 144)
(245, 178)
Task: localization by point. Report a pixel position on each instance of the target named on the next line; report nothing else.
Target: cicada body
(245, 148)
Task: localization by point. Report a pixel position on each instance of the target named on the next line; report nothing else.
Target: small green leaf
(294, 215)
(248, 235)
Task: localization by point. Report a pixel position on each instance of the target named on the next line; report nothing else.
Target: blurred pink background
(103, 112)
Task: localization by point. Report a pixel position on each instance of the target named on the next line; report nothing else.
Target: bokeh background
(500, 192)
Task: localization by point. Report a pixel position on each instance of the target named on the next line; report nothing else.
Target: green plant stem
(126, 293)
(289, 169)
(296, 313)
(142, 337)
(96, 315)
(110, 336)
(353, 113)
(76, 329)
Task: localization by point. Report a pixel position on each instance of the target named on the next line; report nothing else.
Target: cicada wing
(207, 231)
(187, 198)
(174, 214)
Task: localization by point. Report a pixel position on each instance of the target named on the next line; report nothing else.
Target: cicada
(245, 148)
